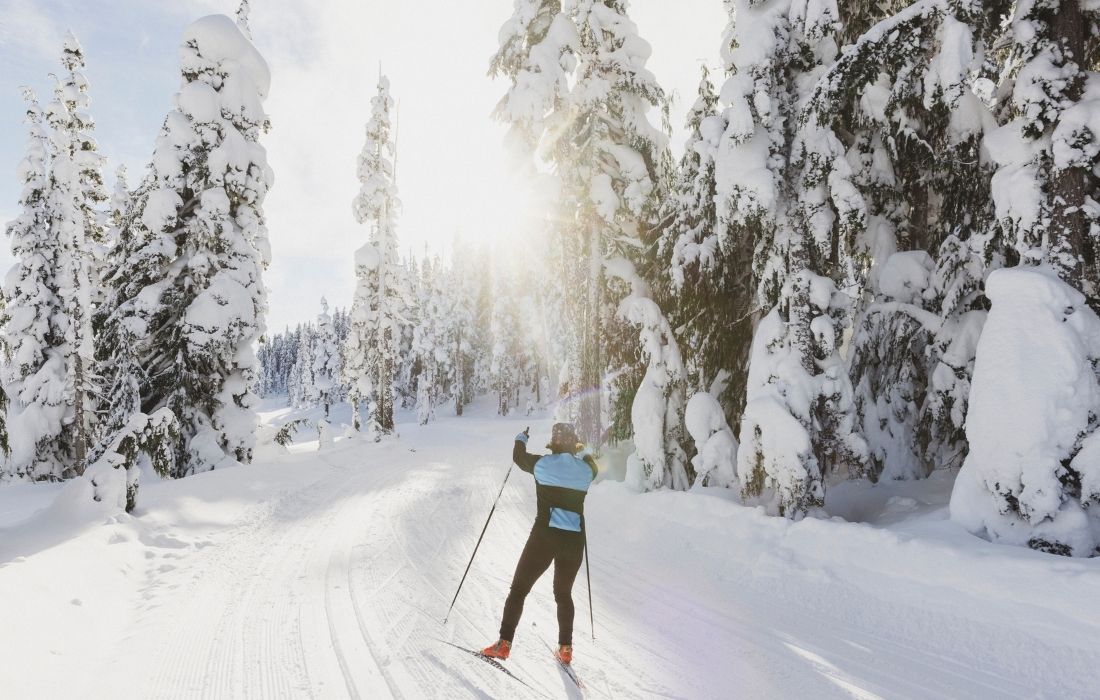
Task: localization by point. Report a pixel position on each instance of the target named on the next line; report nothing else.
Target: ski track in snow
(336, 587)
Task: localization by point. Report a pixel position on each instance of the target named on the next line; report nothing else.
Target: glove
(524, 436)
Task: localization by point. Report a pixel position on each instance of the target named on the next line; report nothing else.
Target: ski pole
(478, 544)
(588, 575)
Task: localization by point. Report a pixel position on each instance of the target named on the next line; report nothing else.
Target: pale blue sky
(324, 56)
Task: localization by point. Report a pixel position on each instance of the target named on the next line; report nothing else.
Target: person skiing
(562, 479)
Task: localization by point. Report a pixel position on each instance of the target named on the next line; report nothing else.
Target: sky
(453, 174)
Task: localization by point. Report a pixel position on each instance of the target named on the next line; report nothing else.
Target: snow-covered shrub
(888, 359)
(145, 441)
(325, 435)
(1032, 476)
(715, 461)
(799, 422)
(775, 463)
(284, 436)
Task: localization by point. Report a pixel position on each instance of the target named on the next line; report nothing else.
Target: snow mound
(1033, 468)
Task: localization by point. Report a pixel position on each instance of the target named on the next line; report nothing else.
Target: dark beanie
(564, 438)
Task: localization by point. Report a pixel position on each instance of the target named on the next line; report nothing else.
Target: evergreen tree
(193, 252)
(710, 267)
(1046, 186)
(536, 55)
(29, 303)
(799, 418)
(410, 319)
(377, 307)
(430, 343)
(325, 360)
(506, 359)
(916, 75)
(52, 375)
(300, 384)
(76, 188)
(461, 338)
(1039, 487)
(607, 155)
(657, 410)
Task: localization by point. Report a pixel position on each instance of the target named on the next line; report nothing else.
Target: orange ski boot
(499, 650)
(564, 654)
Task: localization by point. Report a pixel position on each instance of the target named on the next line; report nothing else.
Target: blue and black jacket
(561, 483)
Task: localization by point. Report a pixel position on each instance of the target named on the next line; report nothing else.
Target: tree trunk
(81, 445)
(1070, 248)
(591, 388)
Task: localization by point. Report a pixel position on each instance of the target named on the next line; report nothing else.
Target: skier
(561, 483)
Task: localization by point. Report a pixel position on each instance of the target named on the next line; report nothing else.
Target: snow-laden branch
(930, 321)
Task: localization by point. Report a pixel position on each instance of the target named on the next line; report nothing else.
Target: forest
(876, 259)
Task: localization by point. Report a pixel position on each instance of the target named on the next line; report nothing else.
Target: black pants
(545, 544)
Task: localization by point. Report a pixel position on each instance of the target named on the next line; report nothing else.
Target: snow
(716, 461)
(904, 276)
(1035, 395)
(327, 575)
(1017, 190)
(219, 41)
(1076, 138)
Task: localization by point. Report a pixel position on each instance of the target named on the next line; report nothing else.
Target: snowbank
(1033, 471)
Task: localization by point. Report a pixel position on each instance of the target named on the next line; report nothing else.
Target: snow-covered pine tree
(341, 323)
(1038, 484)
(711, 270)
(607, 155)
(121, 203)
(1046, 187)
(798, 420)
(325, 359)
(76, 189)
(50, 376)
(536, 55)
(406, 368)
(904, 97)
(29, 303)
(430, 342)
(657, 409)
(462, 304)
(378, 302)
(280, 360)
(195, 249)
(507, 355)
(300, 386)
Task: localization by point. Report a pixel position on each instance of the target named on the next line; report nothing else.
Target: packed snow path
(327, 574)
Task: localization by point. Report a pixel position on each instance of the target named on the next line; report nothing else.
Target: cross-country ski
(494, 663)
(527, 349)
(567, 669)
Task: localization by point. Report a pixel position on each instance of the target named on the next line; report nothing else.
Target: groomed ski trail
(332, 582)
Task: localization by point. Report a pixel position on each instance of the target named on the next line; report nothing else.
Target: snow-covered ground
(327, 574)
